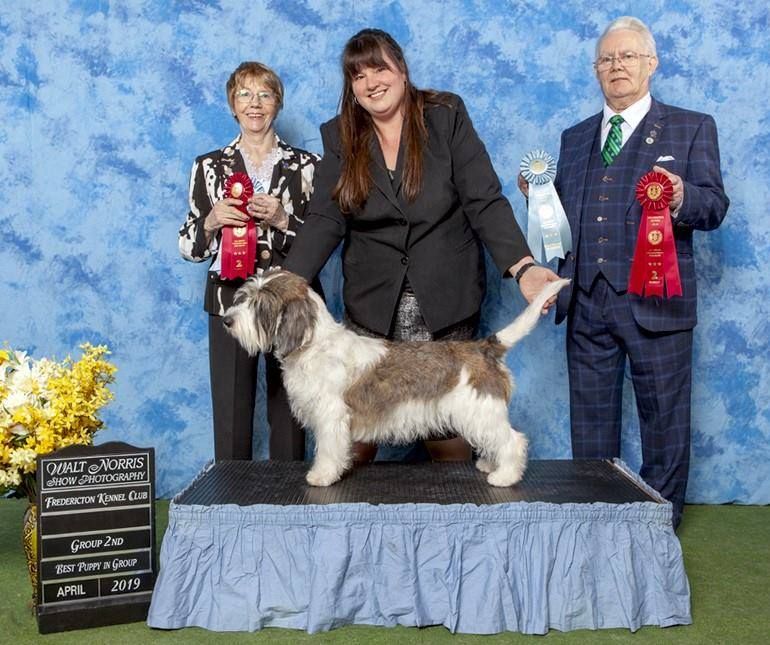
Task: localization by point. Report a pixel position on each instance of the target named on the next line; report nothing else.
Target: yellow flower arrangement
(47, 405)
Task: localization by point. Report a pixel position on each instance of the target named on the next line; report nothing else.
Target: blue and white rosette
(547, 225)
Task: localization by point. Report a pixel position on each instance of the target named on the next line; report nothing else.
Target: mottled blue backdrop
(105, 104)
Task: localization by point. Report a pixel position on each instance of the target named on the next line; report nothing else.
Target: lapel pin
(651, 137)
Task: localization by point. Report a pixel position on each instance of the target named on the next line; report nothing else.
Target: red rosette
(655, 268)
(239, 186)
(239, 243)
(654, 191)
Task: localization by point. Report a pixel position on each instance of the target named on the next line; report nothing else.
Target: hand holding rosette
(655, 269)
(239, 243)
(547, 225)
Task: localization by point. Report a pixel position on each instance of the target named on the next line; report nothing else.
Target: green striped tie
(614, 140)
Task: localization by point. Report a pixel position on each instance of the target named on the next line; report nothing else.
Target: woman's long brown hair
(368, 49)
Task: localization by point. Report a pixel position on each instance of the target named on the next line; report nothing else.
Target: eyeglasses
(626, 59)
(246, 96)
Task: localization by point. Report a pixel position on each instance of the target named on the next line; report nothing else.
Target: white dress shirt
(632, 117)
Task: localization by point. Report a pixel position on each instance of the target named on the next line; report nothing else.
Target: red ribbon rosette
(239, 186)
(239, 243)
(655, 269)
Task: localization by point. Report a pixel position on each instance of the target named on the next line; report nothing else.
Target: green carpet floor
(727, 558)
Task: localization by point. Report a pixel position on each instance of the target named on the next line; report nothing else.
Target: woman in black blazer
(282, 177)
(408, 186)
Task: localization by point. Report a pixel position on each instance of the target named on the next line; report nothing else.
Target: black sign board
(96, 536)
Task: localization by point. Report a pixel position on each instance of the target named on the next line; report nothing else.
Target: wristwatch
(523, 270)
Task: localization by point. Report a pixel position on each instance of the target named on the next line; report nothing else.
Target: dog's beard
(252, 335)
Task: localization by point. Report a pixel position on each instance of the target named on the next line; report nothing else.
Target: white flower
(45, 368)
(23, 379)
(15, 399)
(24, 458)
(18, 362)
(9, 478)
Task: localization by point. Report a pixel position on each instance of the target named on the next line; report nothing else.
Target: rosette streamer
(239, 243)
(655, 269)
(547, 226)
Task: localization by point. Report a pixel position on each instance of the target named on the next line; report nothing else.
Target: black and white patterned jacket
(292, 184)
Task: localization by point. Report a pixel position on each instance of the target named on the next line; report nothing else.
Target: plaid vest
(607, 238)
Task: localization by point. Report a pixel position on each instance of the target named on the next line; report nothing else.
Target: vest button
(603, 198)
(607, 179)
(602, 240)
(599, 219)
(265, 255)
(600, 260)
(405, 260)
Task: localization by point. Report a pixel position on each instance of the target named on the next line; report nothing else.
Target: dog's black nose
(227, 321)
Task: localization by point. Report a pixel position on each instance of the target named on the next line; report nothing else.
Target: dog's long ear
(296, 325)
(267, 315)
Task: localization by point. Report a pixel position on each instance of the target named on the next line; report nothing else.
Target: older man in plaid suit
(600, 162)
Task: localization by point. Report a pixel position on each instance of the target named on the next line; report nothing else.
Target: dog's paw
(321, 477)
(485, 465)
(504, 477)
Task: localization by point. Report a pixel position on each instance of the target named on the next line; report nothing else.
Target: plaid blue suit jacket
(689, 141)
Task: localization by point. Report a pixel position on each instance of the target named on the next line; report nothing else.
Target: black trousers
(233, 394)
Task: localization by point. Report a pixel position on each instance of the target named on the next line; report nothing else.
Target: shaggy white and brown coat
(346, 387)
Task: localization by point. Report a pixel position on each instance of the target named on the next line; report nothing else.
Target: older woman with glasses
(256, 177)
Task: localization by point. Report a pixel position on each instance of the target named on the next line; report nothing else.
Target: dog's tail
(527, 320)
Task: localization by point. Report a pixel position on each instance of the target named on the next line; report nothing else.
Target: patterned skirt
(408, 324)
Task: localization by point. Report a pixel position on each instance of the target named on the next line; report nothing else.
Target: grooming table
(576, 544)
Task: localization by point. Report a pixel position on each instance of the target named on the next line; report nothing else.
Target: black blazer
(291, 183)
(434, 241)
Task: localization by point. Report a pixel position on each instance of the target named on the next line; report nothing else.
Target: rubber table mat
(283, 483)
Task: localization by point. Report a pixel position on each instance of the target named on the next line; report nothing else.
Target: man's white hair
(633, 24)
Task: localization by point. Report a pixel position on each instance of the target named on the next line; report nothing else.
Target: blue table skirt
(524, 567)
